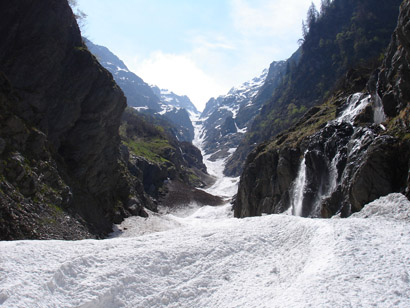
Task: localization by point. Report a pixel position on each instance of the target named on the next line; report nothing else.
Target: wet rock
(347, 164)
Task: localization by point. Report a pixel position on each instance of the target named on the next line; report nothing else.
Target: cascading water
(333, 175)
(326, 183)
(298, 190)
(379, 116)
(355, 104)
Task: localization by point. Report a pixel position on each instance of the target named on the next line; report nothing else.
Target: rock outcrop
(156, 158)
(60, 167)
(338, 157)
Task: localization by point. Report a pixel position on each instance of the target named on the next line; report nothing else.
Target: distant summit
(138, 93)
(169, 98)
(145, 98)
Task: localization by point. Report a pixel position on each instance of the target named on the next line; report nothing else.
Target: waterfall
(333, 175)
(379, 116)
(355, 104)
(325, 191)
(307, 193)
(298, 189)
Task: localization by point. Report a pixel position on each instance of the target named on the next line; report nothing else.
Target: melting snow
(269, 261)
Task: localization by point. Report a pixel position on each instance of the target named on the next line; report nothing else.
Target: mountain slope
(226, 118)
(172, 99)
(348, 33)
(145, 98)
(138, 93)
(339, 157)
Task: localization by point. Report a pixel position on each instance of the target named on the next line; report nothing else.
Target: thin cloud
(268, 18)
(180, 74)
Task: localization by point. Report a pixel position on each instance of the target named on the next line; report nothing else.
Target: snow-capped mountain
(227, 117)
(138, 92)
(146, 98)
(169, 98)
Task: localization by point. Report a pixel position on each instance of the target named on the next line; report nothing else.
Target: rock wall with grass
(61, 174)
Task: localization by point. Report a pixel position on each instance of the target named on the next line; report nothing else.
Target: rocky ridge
(139, 94)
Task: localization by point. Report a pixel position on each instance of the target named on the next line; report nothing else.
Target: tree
(312, 16)
(305, 29)
(79, 15)
(325, 4)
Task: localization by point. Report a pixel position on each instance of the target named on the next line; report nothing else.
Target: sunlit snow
(202, 257)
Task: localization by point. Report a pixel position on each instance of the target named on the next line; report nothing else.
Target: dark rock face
(64, 114)
(344, 167)
(346, 164)
(394, 77)
(265, 181)
(180, 118)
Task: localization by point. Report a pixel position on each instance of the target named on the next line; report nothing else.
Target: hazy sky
(196, 48)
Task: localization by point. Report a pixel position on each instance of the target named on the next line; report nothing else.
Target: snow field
(202, 257)
(269, 261)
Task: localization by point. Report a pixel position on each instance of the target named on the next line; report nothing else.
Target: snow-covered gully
(205, 258)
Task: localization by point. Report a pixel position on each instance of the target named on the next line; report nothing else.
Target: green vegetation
(144, 138)
(149, 149)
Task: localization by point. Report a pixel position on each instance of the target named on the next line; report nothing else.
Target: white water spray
(379, 116)
(298, 190)
(356, 104)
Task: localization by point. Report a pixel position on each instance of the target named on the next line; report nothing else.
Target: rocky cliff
(169, 169)
(60, 169)
(342, 154)
(346, 34)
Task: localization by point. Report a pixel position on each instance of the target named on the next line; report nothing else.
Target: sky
(196, 48)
